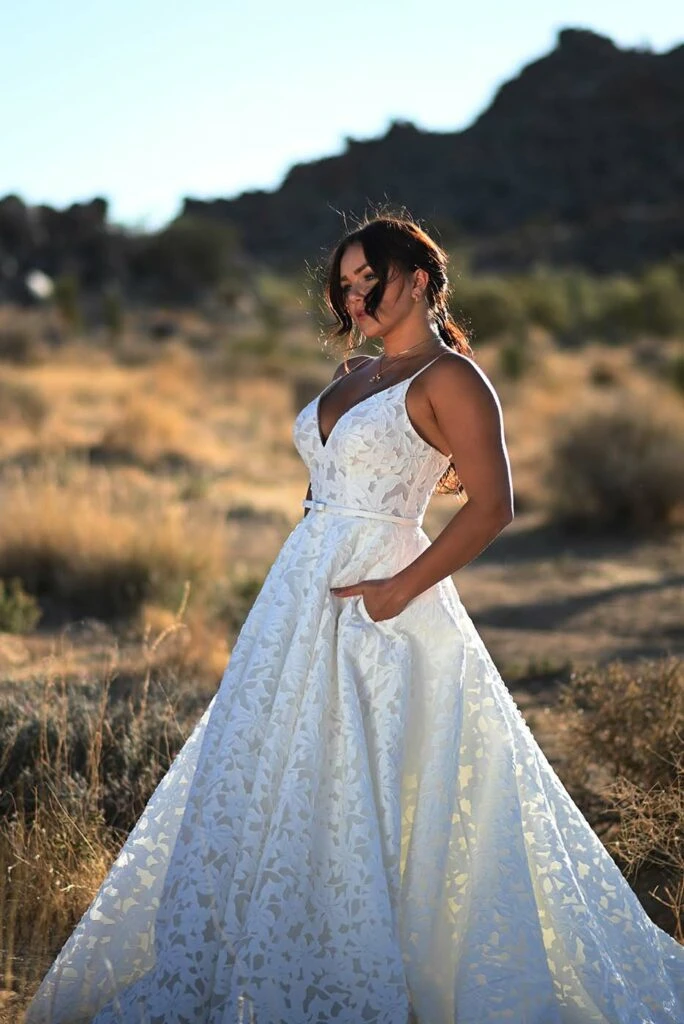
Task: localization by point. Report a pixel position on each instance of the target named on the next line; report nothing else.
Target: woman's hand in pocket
(381, 598)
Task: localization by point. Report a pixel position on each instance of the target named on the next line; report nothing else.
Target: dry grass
(651, 841)
(625, 726)
(148, 431)
(21, 404)
(631, 718)
(196, 648)
(85, 545)
(78, 764)
(78, 767)
(202, 485)
(50, 869)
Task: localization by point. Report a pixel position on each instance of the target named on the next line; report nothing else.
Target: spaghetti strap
(426, 366)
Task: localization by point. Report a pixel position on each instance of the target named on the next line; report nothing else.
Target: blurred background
(172, 180)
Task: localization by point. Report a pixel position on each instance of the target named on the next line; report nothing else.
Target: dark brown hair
(397, 242)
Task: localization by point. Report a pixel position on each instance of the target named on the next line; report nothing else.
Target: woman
(361, 828)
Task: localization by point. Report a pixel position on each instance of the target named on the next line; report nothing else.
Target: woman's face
(357, 279)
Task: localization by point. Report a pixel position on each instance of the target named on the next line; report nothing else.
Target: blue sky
(143, 102)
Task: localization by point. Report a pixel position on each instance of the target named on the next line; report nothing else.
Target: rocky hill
(579, 159)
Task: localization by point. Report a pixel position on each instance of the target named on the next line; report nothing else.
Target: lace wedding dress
(361, 826)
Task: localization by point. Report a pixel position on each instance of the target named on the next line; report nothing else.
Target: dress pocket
(363, 611)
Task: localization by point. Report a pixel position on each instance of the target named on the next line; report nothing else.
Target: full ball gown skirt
(361, 822)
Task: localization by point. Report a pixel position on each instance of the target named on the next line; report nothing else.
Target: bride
(361, 827)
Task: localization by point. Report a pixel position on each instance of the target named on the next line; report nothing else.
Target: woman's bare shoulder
(457, 374)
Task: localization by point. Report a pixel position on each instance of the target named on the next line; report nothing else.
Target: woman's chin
(370, 329)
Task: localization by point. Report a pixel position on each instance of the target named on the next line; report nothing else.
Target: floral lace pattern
(361, 826)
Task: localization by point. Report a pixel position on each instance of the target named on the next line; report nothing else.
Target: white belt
(344, 510)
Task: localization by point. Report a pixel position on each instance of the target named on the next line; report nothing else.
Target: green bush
(19, 611)
(113, 310)
(660, 307)
(514, 354)
(618, 319)
(491, 305)
(189, 257)
(545, 300)
(574, 305)
(67, 298)
(582, 298)
(675, 372)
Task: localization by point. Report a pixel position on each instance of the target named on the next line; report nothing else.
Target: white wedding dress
(361, 822)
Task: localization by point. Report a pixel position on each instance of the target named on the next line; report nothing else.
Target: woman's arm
(469, 416)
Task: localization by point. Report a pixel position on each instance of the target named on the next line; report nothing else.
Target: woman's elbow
(501, 514)
(493, 516)
(507, 514)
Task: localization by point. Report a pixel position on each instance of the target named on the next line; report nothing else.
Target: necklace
(397, 355)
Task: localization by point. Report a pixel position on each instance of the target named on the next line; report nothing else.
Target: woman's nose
(357, 293)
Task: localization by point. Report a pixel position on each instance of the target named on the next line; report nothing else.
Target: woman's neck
(408, 334)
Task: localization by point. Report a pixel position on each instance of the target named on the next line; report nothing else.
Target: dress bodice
(373, 457)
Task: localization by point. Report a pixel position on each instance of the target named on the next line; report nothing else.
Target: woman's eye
(366, 277)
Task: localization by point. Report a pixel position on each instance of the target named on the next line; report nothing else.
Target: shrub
(19, 611)
(492, 305)
(617, 468)
(629, 718)
(68, 301)
(84, 548)
(21, 404)
(514, 354)
(582, 303)
(148, 432)
(91, 752)
(650, 304)
(113, 310)
(21, 347)
(675, 372)
(184, 260)
(625, 726)
(602, 375)
(618, 319)
(661, 301)
(545, 299)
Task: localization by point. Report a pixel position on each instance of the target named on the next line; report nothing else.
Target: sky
(143, 102)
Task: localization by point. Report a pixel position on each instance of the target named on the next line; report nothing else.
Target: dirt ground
(539, 596)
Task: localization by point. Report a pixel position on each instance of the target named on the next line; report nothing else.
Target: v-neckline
(366, 398)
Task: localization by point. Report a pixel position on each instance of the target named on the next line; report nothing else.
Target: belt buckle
(319, 505)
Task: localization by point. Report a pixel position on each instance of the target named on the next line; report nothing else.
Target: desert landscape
(147, 483)
(148, 386)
